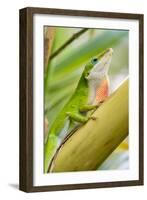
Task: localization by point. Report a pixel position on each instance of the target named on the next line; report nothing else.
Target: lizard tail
(50, 149)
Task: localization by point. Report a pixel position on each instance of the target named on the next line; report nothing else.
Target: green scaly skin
(75, 110)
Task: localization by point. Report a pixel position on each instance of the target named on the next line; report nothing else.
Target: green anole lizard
(92, 88)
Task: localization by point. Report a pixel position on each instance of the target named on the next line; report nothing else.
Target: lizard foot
(99, 104)
(93, 117)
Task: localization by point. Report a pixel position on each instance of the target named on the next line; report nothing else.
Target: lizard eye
(94, 60)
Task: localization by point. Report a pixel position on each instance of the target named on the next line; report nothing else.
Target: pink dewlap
(102, 91)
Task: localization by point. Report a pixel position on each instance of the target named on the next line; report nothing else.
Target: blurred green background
(62, 72)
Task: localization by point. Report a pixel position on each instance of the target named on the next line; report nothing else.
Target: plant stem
(49, 34)
(68, 42)
(91, 144)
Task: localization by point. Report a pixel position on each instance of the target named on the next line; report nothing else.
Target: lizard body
(92, 89)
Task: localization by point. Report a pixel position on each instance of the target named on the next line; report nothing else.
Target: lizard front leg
(88, 107)
(79, 117)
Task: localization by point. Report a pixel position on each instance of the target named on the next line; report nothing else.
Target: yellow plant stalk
(90, 145)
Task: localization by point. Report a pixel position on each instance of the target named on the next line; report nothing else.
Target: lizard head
(97, 69)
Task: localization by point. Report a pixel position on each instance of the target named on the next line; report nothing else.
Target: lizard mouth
(101, 68)
(107, 52)
(104, 60)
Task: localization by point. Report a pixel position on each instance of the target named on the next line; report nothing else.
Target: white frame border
(41, 179)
